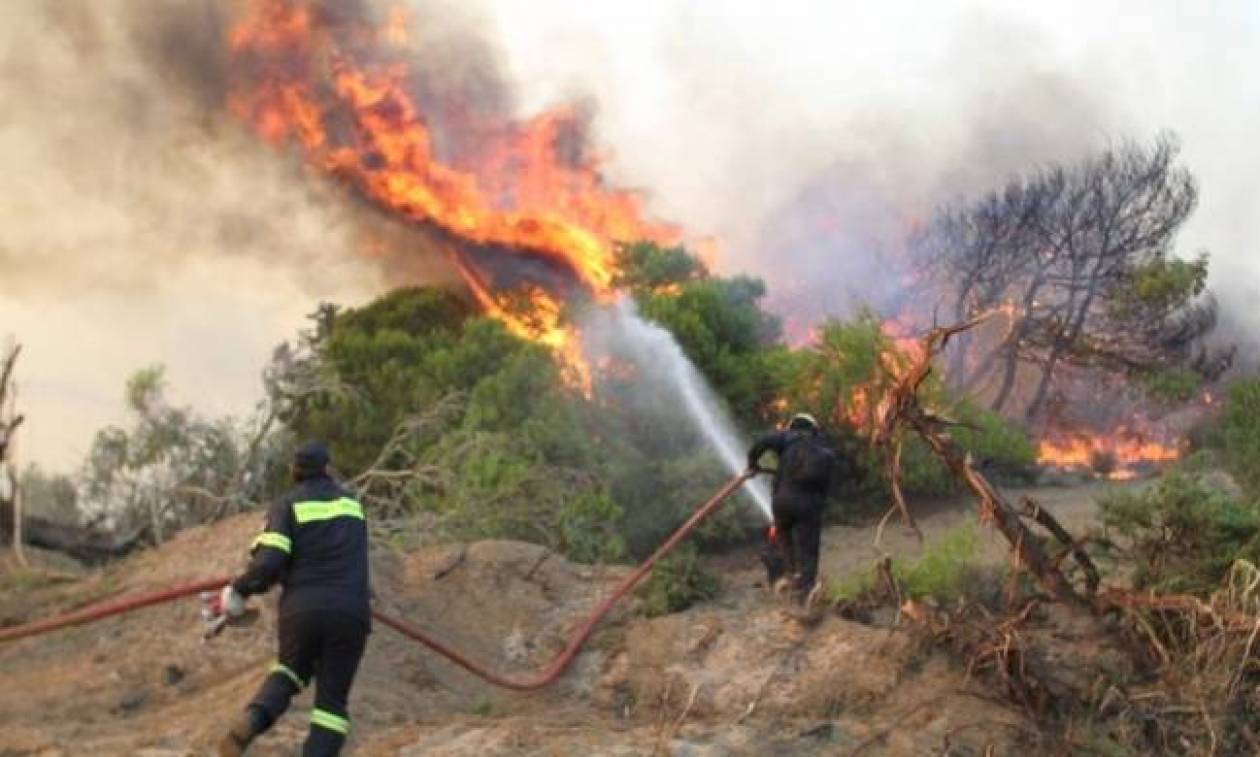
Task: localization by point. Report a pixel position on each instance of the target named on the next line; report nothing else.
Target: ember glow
(341, 92)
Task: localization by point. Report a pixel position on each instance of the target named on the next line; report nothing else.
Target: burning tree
(1082, 257)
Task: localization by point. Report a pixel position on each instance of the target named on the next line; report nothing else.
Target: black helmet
(803, 422)
(311, 459)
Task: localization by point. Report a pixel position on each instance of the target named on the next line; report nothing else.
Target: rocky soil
(737, 675)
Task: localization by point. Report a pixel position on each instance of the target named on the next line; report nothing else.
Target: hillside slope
(733, 676)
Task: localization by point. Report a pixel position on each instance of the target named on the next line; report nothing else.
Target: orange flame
(1122, 451)
(353, 116)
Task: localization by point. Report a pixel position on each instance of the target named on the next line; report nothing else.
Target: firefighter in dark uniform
(799, 495)
(315, 545)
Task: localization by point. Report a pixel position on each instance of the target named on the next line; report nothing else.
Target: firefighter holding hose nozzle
(315, 545)
(799, 495)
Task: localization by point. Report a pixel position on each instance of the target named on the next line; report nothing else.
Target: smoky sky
(809, 138)
(140, 223)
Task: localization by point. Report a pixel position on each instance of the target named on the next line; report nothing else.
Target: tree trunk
(1008, 380)
(1021, 330)
(83, 544)
(9, 422)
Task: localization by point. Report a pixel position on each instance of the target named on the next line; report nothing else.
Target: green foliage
(1160, 284)
(993, 441)
(647, 267)
(1172, 384)
(839, 367)
(1181, 534)
(401, 353)
(943, 570)
(946, 570)
(155, 474)
(1239, 435)
(718, 322)
(511, 458)
(677, 582)
(998, 446)
(838, 377)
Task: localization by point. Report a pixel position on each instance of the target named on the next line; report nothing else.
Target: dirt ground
(737, 675)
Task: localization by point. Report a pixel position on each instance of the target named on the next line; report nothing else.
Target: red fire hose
(546, 677)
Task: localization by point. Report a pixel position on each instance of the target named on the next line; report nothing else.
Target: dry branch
(1047, 520)
(901, 410)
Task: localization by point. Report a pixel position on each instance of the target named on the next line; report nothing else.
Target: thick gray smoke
(809, 137)
(139, 222)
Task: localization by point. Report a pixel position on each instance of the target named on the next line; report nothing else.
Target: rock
(131, 703)
(516, 647)
(174, 674)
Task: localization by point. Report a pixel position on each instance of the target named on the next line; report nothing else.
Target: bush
(944, 569)
(998, 446)
(677, 582)
(944, 572)
(1239, 435)
(1181, 534)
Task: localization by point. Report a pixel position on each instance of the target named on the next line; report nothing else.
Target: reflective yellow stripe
(325, 719)
(308, 512)
(273, 539)
(285, 671)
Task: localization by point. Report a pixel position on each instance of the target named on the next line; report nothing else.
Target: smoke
(142, 223)
(811, 138)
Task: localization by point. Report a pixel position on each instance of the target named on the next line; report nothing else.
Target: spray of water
(659, 358)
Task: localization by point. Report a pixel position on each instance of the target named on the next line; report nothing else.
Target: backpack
(808, 462)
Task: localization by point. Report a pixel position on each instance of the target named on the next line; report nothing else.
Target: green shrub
(677, 582)
(945, 571)
(997, 445)
(1239, 435)
(1181, 534)
(993, 440)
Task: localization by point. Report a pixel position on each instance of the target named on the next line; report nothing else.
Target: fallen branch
(1043, 517)
(450, 567)
(899, 500)
(901, 409)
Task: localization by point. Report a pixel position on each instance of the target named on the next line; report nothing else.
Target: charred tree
(1084, 254)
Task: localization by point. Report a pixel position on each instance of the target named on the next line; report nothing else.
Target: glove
(217, 610)
(225, 605)
(230, 603)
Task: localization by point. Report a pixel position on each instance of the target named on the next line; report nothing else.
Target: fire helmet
(311, 459)
(803, 421)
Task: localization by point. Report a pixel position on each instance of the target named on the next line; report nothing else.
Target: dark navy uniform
(315, 545)
(799, 495)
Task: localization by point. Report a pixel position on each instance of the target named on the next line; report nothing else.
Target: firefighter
(799, 494)
(315, 545)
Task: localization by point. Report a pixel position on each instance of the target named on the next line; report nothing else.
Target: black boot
(244, 728)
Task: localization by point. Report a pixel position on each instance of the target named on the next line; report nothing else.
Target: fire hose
(546, 677)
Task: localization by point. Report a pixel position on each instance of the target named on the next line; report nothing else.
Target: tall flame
(337, 93)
